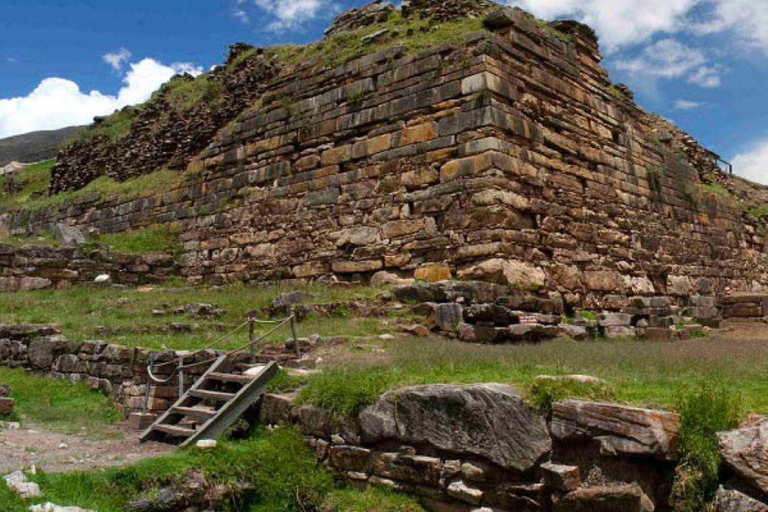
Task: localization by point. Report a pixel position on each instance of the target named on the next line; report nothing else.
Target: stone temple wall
(38, 267)
(512, 147)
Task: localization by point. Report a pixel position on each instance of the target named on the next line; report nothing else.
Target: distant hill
(35, 146)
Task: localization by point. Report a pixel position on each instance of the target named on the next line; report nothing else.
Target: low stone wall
(111, 369)
(38, 267)
(481, 447)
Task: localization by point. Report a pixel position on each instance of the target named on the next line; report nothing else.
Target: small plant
(714, 188)
(655, 175)
(356, 98)
(692, 197)
(704, 412)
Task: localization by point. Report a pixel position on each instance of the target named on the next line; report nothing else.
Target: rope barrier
(180, 367)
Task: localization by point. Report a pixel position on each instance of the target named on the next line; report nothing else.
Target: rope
(280, 323)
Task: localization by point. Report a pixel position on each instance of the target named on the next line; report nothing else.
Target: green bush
(704, 412)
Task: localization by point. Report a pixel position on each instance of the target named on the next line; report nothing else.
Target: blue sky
(701, 63)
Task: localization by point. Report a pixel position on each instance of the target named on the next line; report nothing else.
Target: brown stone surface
(488, 420)
(745, 451)
(621, 431)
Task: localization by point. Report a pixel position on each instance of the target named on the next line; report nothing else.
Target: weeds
(704, 412)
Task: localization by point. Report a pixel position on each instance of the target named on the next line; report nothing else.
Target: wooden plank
(175, 430)
(229, 377)
(150, 432)
(232, 410)
(211, 395)
(196, 412)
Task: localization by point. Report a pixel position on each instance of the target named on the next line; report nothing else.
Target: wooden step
(211, 395)
(229, 377)
(197, 412)
(174, 430)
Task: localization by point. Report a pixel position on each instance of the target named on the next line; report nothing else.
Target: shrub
(704, 412)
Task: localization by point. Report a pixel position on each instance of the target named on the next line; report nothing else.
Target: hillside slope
(35, 146)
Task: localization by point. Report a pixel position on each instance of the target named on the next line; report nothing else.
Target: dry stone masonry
(511, 156)
(481, 447)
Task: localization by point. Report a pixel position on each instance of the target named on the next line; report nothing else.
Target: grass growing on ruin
(33, 182)
(638, 372)
(413, 33)
(129, 319)
(114, 126)
(58, 404)
(283, 474)
(100, 188)
(161, 238)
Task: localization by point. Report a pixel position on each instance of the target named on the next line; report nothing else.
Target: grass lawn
(652, 374)
(283, 474)
(57, 404)
(128, 313)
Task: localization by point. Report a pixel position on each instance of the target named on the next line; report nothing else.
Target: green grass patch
(283, 475)
(100, 188)
(84, 312)
(704, 412)
(714, 188)
(414, 34)
(29, 185)
(115, 126)
(637, 372)
(758, 212)
(58, 404)
(143, 241)
(372, 499)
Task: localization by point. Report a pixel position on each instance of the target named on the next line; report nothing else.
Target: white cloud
(117, 59)
(707, 76)
(58, 102)
(670, 59)
(619, 23)
(622, 23)
(753, 164)
(292, 13)
(687, 105)
(239, 12)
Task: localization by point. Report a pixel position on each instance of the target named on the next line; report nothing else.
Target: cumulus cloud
(622, 23)
(58, 102)
(292, 13)
(669, 59)
(619, 23)
(687, 105)
(753, 164)
(117, 59)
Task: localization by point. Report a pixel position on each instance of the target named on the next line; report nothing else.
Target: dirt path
(55, 452)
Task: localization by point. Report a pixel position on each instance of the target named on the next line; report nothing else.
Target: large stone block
(490, 421)
(745, 451)
(619, 430)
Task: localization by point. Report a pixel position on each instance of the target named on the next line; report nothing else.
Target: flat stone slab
(745, 451)
(620, 430)
(490, 421)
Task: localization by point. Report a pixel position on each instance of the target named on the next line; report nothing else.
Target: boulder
(433, 273)
(68, 234)
(490, 421)
(448, 316)
(729, 500)
(604, 498)
(517, 274)
(383, 277)
(561, 478)
(620, 430)
(490, 314)
(745, 451)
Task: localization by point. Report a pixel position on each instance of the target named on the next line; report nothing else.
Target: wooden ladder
(212, 405)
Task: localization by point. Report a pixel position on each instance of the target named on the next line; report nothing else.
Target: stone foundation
(480, 447)
(39, 267)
